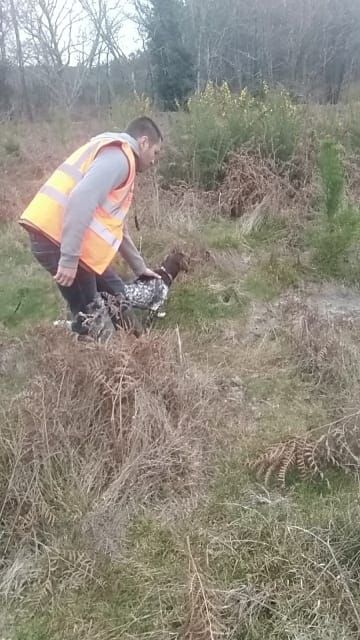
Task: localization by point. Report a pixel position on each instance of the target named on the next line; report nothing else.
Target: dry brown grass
(30, 153)
(204, 605)
(352, 168)
(172, 209)
(324, 352)
(324, 349)
(98, 427)
(250, 182)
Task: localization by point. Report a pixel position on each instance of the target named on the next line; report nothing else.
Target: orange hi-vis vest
(105, 232)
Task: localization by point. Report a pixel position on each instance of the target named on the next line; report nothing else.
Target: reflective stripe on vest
(110, 207)
(105, 234)
(55, 194)
(113, 209)
(71, 171)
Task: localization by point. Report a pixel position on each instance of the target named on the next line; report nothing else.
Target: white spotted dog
(147, 294)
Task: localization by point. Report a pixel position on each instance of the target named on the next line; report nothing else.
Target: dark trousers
(86, 285)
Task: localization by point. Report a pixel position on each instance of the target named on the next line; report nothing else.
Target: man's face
(149, 153)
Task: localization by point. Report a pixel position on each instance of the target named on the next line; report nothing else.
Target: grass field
(127, 506)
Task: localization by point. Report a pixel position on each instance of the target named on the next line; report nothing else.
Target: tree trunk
(2, 33)
(20, 58)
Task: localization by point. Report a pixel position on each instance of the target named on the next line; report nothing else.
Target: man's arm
(130, 253)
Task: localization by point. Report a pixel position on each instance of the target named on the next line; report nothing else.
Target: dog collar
(167, 273)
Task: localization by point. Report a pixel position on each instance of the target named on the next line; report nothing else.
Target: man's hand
(148, 273)
(65, 276)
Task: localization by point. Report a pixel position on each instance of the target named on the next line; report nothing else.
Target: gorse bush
(219, 121)
(278, 127)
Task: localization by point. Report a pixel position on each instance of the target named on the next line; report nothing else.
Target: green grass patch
(275, 548)
(27, 292)
(136, 594)
(195, 303)
(336, 245)
(222, 235)
(257, 286)
(271, 230)
(227, 234)
(273, 276)
(36, 629)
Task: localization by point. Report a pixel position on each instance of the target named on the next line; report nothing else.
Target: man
(77, 220)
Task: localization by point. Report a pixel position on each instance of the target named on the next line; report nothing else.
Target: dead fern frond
(288, 462)
(279, 460)
(338, 448)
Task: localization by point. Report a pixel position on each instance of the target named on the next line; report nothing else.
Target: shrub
(332, 175)
(219, 121)
(124, 110)
(336, 236)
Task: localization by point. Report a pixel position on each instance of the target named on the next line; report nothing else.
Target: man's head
(149, 137)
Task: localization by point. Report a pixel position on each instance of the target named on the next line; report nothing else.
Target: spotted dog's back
(148, 294)
(145, 294)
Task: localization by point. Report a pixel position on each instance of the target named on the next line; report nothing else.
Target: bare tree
(108, 21)
(63, 51)
(306, 45)
(3, 27)
(20, 60)
(58, 35)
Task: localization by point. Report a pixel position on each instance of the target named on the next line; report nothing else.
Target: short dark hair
(145, 126)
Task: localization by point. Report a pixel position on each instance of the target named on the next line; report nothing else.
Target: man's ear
(143, 142)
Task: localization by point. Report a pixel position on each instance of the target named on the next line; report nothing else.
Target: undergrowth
(126, 504)
(219, 122)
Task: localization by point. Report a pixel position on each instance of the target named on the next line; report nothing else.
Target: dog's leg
(149, 322)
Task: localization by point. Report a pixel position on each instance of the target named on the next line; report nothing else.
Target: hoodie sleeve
(130, 254)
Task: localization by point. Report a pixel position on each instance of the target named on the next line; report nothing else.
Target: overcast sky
(130, 40)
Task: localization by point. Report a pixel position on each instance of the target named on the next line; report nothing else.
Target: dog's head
(176, 262)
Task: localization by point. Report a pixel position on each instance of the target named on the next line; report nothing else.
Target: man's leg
(82, 292)
(110, 282)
